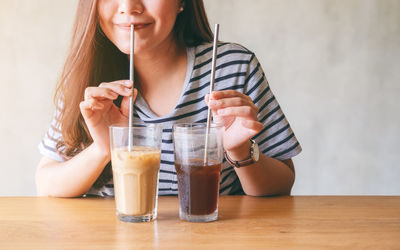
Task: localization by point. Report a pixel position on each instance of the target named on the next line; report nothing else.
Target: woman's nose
(130, 7)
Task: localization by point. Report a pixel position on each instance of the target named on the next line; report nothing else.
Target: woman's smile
(138, 25)
(154, 22)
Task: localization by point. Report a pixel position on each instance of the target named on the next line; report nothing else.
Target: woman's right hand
(99, 110)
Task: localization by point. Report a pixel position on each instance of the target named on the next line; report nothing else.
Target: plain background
(334, 66)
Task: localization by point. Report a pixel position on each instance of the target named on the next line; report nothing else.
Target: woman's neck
(153, 66)
(160, 76)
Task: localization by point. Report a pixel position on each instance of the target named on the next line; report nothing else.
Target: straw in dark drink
(212, 81)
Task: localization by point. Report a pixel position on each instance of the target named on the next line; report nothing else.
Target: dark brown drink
(198, 186)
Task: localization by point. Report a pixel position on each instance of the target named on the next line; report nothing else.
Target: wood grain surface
(292, 222)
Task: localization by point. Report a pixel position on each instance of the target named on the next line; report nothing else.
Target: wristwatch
(253, 158)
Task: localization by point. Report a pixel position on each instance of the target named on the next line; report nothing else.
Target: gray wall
(331, 64)
(34, 37)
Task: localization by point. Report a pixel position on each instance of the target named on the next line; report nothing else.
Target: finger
(126, 83)
(100, 93)
(231, 102)
(109, 90)
(92, 104)
(87, 107)
(125, 103)
(216, 117)
(227, 94)
(122, 87)
(215, 95)
(207, 98)
(242, 111)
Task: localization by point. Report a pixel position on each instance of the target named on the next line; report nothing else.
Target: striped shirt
(236, 68)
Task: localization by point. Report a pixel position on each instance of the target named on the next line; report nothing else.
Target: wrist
(240, 160)
(100, 152)
(239, 153)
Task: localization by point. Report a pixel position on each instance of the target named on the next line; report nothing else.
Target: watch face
(256, 152)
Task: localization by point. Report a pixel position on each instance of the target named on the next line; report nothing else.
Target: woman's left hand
(238, 114)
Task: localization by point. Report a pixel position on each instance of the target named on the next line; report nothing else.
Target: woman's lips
(138, 26)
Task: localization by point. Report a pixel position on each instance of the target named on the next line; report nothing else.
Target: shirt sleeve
(47, 147)
(276, 139)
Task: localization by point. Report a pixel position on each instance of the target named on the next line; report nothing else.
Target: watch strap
(238, 164)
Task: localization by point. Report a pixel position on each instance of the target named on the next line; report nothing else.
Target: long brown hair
(93, 58)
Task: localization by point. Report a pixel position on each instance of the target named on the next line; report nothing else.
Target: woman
(172, 72)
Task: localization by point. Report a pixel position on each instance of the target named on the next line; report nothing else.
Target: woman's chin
(127, 49)
(123, 46)
(124, 49)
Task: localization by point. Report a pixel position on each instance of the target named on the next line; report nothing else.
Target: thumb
(216, 117)
(125, 103)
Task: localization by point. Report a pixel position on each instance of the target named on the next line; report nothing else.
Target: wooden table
(244, 223)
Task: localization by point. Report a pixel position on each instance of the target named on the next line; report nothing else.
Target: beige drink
(135, 176)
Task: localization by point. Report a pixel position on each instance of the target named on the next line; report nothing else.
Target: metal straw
(132, 78)
(212, 81)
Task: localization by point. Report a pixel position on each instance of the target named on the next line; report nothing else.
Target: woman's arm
(74, 177)
(268, 176)
(237, 112)
(71, 178)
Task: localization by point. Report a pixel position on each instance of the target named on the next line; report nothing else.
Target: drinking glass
(135, 170)
(198, 170)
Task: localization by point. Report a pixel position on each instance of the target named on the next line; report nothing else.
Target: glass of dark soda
(198, 163)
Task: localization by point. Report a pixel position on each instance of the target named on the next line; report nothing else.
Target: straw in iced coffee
(131, 77)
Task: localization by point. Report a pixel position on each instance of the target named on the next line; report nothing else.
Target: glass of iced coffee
(135, 170)
(198, 170)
